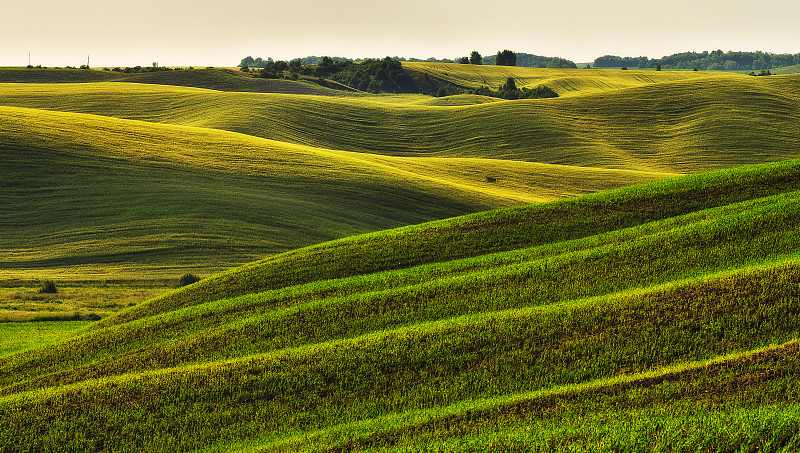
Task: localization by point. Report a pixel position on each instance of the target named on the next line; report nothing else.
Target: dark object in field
(491, 179)
(188, 279)
(48, 287)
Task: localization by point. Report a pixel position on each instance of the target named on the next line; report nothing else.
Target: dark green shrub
(188, 279)
(48, 287)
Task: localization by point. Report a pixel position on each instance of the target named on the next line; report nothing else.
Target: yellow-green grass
(225, 80)
(91, 197)
(24, 302)
(676, 300)
(214, 79)
(565, 82)
(674, 127)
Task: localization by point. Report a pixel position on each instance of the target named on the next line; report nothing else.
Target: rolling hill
(102, 198)
(660, 316)
(114, 179)
(679, 127)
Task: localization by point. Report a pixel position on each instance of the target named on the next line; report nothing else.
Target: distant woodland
(704, 61)
(522, 59)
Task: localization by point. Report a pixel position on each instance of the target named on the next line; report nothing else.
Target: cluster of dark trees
(373, 76)
(714, 60)
(139, 69)
(509, 90)
(275, 69)
(535, 61)
(473, 58)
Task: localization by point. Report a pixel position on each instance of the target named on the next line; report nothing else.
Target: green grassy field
(659, 316)
(680, 127)
(183, 179)
(615, 269)
(144, 201)
(19, 337)
(22, 301)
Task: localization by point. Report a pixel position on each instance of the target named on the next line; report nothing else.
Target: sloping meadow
(628, 319)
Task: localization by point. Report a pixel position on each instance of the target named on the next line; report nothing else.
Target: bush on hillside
(510, 91)
(188, 279)
(48, 287)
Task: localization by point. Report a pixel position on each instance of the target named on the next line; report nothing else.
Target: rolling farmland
(507, 327)
(615, 269)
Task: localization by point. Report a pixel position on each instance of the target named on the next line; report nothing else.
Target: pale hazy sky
(221, 33)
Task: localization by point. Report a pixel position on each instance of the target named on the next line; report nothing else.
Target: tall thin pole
(87, 61)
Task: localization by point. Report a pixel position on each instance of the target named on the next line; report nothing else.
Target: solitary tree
(475, 58)
(506, 58)
(463, 60)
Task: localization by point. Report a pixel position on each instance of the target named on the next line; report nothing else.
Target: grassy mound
(625, 319)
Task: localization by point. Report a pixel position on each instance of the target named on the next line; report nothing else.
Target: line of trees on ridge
(714, 60)
(506, 58)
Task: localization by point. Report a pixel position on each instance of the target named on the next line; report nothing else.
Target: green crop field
(615, 269)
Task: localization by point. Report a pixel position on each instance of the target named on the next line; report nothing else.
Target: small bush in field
(188, 279)
(48, 287)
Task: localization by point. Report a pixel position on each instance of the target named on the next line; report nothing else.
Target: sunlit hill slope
(116, 179)
(632, 319)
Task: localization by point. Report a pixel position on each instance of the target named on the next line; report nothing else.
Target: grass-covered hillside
(656, 317)
(680, 126)
(135, 176)
(210, 78)
(86, 196)
(565, 82)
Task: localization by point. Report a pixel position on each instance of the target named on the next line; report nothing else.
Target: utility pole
(87, 61)
(29, 58)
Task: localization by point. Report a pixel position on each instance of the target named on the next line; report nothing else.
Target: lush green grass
(655, 317)
(625, 319)
(145, 200)
(18, 337)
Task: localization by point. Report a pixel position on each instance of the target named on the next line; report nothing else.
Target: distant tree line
(534, 61)
(506, 58)
(260, 63)
(140, 69)
(714, 60)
